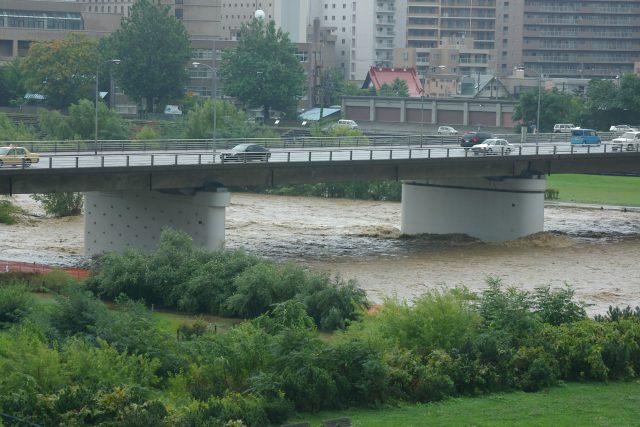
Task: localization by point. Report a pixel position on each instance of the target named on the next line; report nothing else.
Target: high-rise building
(569, 38)
(453, 35)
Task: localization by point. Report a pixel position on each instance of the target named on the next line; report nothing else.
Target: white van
(347, 123)
(563, 127)
(172, 109)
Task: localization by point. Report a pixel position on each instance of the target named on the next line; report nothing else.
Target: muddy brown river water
(596, 251)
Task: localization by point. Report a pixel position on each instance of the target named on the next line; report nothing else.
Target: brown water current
(596, 251)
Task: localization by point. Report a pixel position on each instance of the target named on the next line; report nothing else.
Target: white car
(622, 128)
(447, 130)
(347, 123)
(493, 146)
(628, 140)
(564, 127)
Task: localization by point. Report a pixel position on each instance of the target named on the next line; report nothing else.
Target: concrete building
(569, 38)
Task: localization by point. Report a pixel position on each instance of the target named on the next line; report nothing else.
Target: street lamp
(421, 114)
(538, 114)
(213, 95)
(95, 135)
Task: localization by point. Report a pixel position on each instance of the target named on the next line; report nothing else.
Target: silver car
(628, 140)
(493, 146)
(447, 130)
(246, 153)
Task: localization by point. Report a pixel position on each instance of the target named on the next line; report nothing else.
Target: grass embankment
(614, 404)
(601, 189)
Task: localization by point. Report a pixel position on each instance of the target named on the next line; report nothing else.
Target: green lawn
(615, 404)
(602, 189)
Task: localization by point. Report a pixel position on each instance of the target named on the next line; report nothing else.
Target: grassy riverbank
(571, 404)
(601, 189)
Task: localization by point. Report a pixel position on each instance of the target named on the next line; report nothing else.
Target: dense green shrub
(78, 312)
(232, 410)
(509, 310)
(261, 285)
(534, 369)
(29, 364)
(15, 304)
(104, 366)
(121, 273)
(359, 372)
(616, 313)
(371, 190)
(60, 204)
(556, 306)
(11, 132)
(227, 361)
(228, 283)
(8, 212)
(56, 281)
(132, 329)
(333, 304)
(439, 319)
(208, 291)
(578, 349)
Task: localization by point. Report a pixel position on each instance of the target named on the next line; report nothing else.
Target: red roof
(379, 76)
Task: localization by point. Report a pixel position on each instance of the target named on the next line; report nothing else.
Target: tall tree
(154, 50)
(263, 70)
(555, 107)
(332, 85)
(612, 102)
(397, 88)
(11, 83)
(63, 70)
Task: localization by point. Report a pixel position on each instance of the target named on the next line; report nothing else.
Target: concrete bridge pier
(115, 221)
(490, 209)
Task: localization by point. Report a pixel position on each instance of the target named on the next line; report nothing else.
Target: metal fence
(104, 146)
(201, 155)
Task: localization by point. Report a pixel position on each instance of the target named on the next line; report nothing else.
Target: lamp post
(213, 95)
(538, 113)
(95, 134)
(421, 114)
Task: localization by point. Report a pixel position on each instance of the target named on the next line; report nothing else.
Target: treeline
(79, 363)
(369, 190)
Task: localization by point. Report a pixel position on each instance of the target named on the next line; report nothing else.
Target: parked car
(173, 110)
(17, 156)
(347, 123)
(628, 140)
(470, 139)
(246, 153)
(447, 130)
(563, 127)
(585, 137)
(493, 146)
(622, 128)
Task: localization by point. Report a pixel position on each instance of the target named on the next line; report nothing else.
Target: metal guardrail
(79, 146)
(165, 157)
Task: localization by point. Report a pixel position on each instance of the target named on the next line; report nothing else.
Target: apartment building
(580, 39)
(453, 35)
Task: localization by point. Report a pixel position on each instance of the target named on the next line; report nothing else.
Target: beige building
(569, 38)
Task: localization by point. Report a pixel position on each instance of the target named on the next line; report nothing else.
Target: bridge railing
(305, 142)
(332, 154)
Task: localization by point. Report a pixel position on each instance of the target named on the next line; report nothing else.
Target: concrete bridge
(130, 196)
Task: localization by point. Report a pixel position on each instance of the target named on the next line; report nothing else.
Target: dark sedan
(470, 139)
(246, 153)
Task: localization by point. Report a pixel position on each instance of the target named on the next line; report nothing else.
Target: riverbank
(594, 250)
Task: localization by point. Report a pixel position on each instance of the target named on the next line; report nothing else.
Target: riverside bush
(15, 304)
(102, 367)
(228, 283)
(60, 204)
(8, 212)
